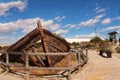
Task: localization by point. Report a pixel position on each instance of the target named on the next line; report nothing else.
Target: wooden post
(69, 66)
(86, 53)
(27, 66)
(7, 58)
(27, 60)
(78, 60)
(7, 61)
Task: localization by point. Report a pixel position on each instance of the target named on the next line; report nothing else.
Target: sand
(100, 68)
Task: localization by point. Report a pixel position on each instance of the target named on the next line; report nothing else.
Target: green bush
(96, 40)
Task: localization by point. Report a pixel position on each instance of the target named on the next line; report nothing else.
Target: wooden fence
(69, 68)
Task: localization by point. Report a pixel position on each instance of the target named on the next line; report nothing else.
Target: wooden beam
(45, 47)
(44, 54)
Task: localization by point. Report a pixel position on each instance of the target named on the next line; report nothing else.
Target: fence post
(27, 60)
(7, 58)
(69, 66)
(7, 61)
(27, 65)
(86, 53)
(78, 60)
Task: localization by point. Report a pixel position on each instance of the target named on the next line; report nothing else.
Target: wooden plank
(42, 53)
(56, 46)
(57, 37)
(49, 54)
(37, 54)
(45, 47)
(24, 41)
(48, 68)
(37, 68)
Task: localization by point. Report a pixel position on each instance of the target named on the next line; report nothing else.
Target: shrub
(117, 49)
(96, 40)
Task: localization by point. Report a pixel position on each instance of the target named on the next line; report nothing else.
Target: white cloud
(88, 36)
(110, 28)
(90, 22)
(116, 18)
(99, 10)
(27, 25)
(8, 39)
(106, 21)
(85, 36)
(109, 20)
(61, 31)
(59, 18)
(49, 24)
(5, 7)
(99, 16)
(70, 26)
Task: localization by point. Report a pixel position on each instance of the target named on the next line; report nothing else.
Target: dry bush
(117, 49)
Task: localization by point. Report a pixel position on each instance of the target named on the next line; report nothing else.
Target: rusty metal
(50, 43)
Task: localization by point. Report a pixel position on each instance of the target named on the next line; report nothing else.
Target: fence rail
(69, 68)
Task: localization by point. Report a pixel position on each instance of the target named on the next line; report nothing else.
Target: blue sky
(74, 19)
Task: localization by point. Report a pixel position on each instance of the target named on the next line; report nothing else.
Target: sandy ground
(97, 68)
(100, 68)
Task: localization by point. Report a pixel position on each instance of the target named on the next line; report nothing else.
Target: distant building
(112, 36)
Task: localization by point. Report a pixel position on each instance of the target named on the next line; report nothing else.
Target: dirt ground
(100, 68)
(97, 68)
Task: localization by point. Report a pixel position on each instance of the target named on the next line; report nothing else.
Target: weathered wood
(45, 47)
(7, 58)
(69, 68)
(27, 61)
(78, 56)
(7, 61)
(33, 37)
(50, 42)
(45, 54)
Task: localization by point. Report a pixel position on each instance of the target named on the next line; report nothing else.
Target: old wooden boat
(50, 43)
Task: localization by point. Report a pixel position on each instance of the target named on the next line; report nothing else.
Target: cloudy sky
(76, 19)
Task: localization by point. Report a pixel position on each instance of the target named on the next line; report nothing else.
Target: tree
(96, 40)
